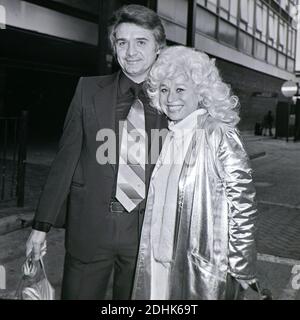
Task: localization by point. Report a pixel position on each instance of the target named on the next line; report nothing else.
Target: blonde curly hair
(214, 95)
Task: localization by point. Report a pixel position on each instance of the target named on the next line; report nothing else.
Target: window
(228, 9)
(212, 5)
(265, 22)
(202, 2)
(247, 15)
(2, 17)
(260, 50)
(276, 24)
(250, 15)
(284, 4)
(233, 11)
(245, 42)
(224, 9)
(261, 21)
(273, 28)
(206, 22)
(282, 35)
(244, 11)
(225, 4)
(259, 18)
(291, 42)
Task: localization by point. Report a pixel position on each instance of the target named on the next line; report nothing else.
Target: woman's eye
(163, 90)
(179, 90)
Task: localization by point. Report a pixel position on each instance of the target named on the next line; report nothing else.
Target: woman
(198, 237)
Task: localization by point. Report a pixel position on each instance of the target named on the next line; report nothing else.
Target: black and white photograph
(149, 151)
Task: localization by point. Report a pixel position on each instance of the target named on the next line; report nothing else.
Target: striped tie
(131, 174)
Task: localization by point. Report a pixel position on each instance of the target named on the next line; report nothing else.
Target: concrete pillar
(106, 9)
(152, 4)
(2, 90)
(191, 23)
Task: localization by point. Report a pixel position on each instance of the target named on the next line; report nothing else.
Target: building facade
(48, 44)
(253, 41)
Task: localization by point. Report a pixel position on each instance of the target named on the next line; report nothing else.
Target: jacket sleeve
(62, 170)
(41, 226)
(240, 194)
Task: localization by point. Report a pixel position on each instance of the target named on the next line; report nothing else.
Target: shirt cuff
(41, 226)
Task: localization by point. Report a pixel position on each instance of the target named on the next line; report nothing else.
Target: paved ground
(277, 180)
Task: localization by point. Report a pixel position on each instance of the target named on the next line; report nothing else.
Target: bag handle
(43, 268)
(41, 263)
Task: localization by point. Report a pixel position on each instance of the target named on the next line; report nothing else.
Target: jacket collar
(105, 101)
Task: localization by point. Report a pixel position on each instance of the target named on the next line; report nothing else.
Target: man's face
(136, 50)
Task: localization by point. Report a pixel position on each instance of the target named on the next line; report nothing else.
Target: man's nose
(131, 49)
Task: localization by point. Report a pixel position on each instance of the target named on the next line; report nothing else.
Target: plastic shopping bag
(34, 284)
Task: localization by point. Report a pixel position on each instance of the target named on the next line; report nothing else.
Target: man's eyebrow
(138, 38)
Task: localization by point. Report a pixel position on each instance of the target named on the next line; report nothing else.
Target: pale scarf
(169, 166)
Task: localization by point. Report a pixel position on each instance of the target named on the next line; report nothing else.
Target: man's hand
(36, 244)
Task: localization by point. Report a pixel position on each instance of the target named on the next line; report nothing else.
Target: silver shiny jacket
(216, 219)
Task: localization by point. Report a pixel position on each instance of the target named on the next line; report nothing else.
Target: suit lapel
(105, 104)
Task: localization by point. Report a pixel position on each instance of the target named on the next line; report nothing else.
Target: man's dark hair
(141, 16)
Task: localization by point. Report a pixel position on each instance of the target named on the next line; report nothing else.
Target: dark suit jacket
(75, 173)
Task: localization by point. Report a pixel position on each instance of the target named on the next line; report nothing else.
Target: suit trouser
(90, 281)
(234, 290)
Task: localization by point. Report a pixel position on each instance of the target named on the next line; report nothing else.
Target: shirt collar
(127, 86)
(188, 123)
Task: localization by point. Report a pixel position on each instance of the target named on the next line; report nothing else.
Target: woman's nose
(171, 96)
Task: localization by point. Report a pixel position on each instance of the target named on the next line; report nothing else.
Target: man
(104, 211)
(268, 123)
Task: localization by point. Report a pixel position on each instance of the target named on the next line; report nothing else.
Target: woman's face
(178, 97)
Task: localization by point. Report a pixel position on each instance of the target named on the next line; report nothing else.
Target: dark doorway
(45, 95)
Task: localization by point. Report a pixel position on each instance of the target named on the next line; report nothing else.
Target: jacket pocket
(205, 280)
(77, 184)
(218, 271)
